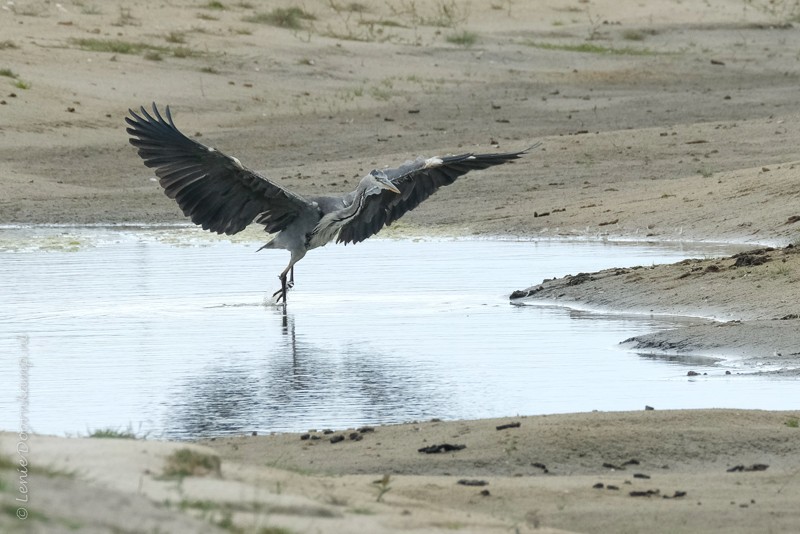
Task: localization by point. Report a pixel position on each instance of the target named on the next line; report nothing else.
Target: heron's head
(383, 182)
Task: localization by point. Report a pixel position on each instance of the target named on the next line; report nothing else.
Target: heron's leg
(291, 277)
(283, 288)
(281, 293)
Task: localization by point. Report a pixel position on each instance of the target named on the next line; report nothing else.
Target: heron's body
(218, 193)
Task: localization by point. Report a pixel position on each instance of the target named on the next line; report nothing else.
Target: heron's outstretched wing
(216, 191)
(416, 180)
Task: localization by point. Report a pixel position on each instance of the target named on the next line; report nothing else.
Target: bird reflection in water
(304, 384)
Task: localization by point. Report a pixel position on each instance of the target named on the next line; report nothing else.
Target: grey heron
(220, 194)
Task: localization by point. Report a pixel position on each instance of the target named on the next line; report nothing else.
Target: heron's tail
(269, 244)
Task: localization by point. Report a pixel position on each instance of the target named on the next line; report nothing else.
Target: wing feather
(214, 190)
(417, 180)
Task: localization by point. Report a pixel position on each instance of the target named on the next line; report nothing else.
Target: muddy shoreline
(751, 318)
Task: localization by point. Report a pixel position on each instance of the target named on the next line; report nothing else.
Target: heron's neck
(367, 187)
(328, 227)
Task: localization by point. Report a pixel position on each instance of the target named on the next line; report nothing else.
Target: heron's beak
(391, 187)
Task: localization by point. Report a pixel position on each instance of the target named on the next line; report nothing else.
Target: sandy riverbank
(651, 471)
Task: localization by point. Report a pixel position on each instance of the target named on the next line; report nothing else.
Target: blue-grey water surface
(169, 335)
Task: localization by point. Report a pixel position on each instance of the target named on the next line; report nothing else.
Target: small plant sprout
(383, 486)
(463, 38)
(291, 18)
(189, 462)
(113, 433)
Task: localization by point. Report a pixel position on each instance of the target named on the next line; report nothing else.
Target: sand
(659, 121)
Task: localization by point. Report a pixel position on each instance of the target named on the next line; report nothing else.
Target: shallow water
(169, 335)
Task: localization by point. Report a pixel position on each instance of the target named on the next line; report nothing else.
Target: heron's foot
(290, 284)
(280, 294)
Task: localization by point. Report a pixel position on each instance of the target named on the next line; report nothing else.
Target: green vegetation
(463, 38)
(19, 84)
(383, 486)
(175, 37)
(793, 422)
(183, 52)
(351, 7)
(291, 18)
(356, 7)
(28, 11)
(188, 462)
(91, 10)
(214, 4)
(589, 48)
(781, 269)
(197, 505)
(4, 45)
(380, 93)
(118, 46)
(113, 433)
(381, 22)
(633, 35)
